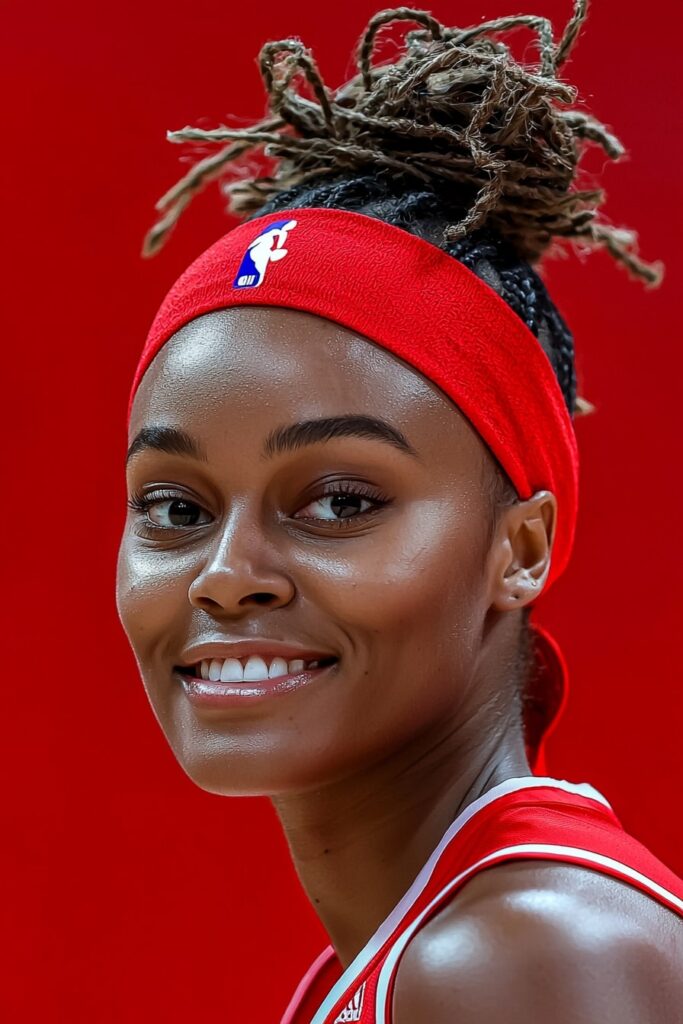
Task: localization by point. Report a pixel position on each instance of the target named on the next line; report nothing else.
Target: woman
(352, 470)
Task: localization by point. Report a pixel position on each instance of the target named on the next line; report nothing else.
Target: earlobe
(521, 551)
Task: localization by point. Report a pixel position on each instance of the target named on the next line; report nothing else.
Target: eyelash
(142, 503)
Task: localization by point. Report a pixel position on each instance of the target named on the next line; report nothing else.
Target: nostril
(262, 598)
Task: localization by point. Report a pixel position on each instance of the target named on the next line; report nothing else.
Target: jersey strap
(521, 819)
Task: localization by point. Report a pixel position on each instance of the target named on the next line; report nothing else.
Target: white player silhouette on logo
(268, 247)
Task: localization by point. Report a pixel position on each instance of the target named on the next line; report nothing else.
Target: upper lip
(266, 649)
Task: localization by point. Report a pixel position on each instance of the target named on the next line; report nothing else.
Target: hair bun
(497, 139)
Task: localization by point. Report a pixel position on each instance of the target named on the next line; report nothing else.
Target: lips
(224, 672)
(222, 695)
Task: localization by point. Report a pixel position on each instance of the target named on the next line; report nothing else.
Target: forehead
(247, 369)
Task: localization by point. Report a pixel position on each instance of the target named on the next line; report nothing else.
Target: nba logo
(268, 247)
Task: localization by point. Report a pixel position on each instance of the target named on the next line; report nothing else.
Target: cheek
(149, 590)
(409, 599)
(413, 572)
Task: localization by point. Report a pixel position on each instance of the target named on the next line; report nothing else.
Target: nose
(241, 572)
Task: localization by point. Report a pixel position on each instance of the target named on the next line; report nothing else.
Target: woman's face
(351, 539)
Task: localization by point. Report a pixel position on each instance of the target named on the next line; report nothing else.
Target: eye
(167, 510)
(343, 501)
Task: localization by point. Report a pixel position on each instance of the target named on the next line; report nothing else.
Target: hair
(454, 140)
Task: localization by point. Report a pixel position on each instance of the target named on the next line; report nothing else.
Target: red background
(130, 895)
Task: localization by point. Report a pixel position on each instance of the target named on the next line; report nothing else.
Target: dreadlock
(455, 141)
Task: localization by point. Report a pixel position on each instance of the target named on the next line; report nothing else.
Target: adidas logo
(354, 1009)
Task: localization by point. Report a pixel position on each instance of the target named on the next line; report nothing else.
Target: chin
(259, 764)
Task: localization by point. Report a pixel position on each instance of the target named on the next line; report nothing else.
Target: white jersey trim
(585, 856)
(406, 902)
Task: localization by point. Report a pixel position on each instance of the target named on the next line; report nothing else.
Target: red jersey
(521, 819)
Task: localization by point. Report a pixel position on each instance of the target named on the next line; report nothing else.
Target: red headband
(425, 307)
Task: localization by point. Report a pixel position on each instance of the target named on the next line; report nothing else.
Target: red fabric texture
(540, 816)
(425, 307)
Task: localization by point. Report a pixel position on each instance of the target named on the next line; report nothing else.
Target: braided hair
(455, 141)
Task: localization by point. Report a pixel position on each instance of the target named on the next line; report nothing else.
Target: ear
(519, 558)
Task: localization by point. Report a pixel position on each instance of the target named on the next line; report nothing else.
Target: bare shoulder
(541, 941)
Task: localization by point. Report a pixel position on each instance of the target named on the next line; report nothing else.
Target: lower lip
(205, 693)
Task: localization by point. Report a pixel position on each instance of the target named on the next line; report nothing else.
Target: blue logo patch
(268, 247)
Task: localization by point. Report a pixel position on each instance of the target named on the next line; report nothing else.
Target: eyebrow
(297, 435)
(171, 440)
(176, 441)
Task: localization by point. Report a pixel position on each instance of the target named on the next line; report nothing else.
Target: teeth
(278, 667)
(231, 672)
(255, 669)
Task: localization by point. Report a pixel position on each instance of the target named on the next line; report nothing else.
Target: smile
(238, 682)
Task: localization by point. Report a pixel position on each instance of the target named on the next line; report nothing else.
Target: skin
(419, 598)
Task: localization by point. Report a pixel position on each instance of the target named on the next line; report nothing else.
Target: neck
(359, 843)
